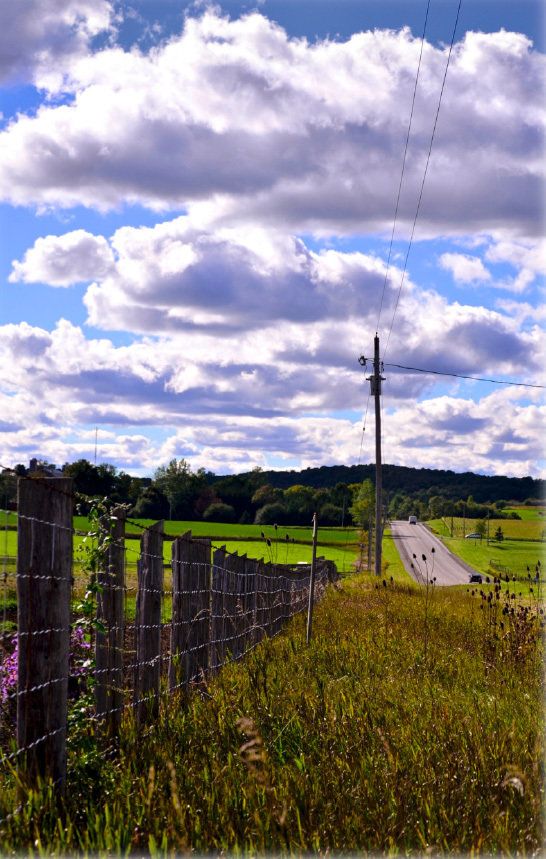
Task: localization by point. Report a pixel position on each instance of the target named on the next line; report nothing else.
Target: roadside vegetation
(412, 722)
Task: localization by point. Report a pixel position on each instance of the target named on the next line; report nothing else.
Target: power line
(424, 174)
(460, 376)
(403, 166)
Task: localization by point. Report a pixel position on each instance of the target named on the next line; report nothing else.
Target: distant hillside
(397, 478)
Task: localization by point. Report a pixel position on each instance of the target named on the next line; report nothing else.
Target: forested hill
(398, 478)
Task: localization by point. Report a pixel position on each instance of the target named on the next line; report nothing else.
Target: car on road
(412, 520)
(473, 537)
(476, 578)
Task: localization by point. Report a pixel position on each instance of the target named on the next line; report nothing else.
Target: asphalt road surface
(417, 540)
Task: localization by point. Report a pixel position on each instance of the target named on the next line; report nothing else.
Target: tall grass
(355, 742)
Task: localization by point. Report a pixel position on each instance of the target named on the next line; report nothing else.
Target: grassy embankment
(412, 722)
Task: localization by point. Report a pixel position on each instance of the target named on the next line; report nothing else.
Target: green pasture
(335, 544)
(529, 514)
(514, 554)
(7, 517)
(528, 528)
(224, 531)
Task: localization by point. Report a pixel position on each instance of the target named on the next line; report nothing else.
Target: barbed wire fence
(151, 630)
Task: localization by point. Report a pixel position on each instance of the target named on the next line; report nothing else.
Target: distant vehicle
(475, 577)
(412, 520)
(473, 537)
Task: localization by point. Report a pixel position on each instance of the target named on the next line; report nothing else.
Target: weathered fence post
(240, 624)
(178, 632)
(44, 580)
(260, 602)
(148, 624)
(109, 643)
(231, 566)
(190, 631)
(198, 610)
(250, 600)
(218, 625)
(312, 581)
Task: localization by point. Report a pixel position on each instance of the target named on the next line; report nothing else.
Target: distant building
(40, 466)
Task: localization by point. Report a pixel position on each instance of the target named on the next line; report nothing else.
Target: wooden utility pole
(376, 380)
(375, 389)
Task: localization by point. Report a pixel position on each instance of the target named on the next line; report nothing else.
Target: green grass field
(529, 528)
(515, 554)
(529, 514)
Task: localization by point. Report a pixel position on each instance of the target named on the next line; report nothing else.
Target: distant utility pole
(375, 389)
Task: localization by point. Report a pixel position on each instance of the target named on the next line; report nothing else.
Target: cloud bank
(246, 314)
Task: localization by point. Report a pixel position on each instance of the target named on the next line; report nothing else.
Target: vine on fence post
(96, 547)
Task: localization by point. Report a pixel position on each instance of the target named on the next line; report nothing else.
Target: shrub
(219, 513)
(330, 514)
(270, 514)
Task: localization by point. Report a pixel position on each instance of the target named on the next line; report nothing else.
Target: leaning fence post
(148, 624)
(44, 580)
(109, 634)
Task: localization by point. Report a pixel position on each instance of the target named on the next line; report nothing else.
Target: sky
(208, 211)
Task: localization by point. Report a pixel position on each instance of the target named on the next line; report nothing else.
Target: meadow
(412, 722)
(287, 545)
(530, 526)
(515, 553)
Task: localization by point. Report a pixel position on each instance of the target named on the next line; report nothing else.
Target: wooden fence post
(198, 610)
(218, 625)
(250, 601)
(178, 632)
(260, 601)
(109, 644)
(191, 610)
(44, 580)
(277, 599)
(240, 624)
(148, 624)
(233, 577)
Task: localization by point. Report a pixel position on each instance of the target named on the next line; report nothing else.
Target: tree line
(175, 491)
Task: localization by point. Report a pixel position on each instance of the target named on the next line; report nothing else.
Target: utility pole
(375, 389)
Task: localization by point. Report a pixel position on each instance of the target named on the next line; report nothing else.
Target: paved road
(418, 540)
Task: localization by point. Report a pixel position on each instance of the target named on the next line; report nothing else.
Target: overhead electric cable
(460, 376)
(403, 167)
(424, 174)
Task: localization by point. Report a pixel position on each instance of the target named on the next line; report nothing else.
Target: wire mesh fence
(131, 631)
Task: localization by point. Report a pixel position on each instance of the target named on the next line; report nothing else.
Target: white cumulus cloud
(35, 35)
(238, 119)
(465, 268)
(64, 260)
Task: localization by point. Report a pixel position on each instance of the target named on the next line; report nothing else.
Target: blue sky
(196, 207)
